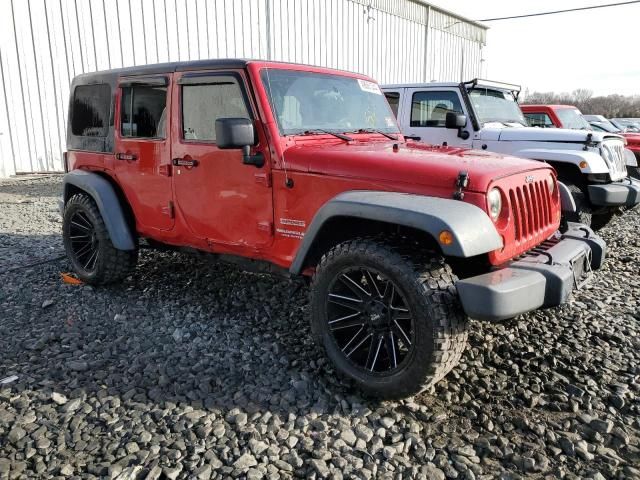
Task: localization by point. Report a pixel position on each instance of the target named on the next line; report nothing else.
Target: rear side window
(539, 120)
(90, 110)
(203, 104)
(394, 100)
(429, 109)
(143, 111)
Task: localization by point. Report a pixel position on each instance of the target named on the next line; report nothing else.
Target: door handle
(130, 157)
(185, 162)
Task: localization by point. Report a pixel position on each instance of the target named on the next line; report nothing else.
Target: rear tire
(88, 245)
(389, 320)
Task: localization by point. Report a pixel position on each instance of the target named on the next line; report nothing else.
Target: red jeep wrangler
(302, 170)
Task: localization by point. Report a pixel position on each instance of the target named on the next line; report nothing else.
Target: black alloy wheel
(84, 241)
(88, 244)
(370, 321)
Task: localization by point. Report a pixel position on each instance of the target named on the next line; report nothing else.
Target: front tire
(88, 245)
(600, 220)
(583, 208)
(389, 322)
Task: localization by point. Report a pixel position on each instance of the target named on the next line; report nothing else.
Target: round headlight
(551, 184)
(494, 202)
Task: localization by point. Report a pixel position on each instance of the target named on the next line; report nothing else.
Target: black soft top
(110, 77)
(158, 68)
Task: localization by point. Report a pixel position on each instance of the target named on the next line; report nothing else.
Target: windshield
(625, 123)
(312, 102)
(604, 127)
(496, 106)
(572, 118)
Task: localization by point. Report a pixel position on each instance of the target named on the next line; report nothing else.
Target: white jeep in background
(485, 115)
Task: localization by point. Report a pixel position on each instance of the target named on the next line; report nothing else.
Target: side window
(539, 120)
(394, 100)
(143, 111)
(90, 110)
(203, 104)
(429, 109)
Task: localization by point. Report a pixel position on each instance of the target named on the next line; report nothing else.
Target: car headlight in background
(494, 202)
(551, 184)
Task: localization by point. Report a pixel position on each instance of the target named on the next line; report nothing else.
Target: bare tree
(609, 106)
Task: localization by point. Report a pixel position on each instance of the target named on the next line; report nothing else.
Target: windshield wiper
(335, 134)
(380, 132)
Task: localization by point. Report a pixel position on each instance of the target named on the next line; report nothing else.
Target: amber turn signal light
(445, 237)
(584, 164)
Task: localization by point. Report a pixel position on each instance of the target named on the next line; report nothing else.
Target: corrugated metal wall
(44, 44)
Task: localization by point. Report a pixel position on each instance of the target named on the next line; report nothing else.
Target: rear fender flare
(101, 191)
(473, 231)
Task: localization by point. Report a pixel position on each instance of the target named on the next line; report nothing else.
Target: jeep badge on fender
(302, 171)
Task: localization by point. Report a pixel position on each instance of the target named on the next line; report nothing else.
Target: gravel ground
(194, 370)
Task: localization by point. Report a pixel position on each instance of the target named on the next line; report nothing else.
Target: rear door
(143, 149)
(424, 112)
(221, 199)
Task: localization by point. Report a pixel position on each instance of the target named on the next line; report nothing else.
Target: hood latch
(462, 182)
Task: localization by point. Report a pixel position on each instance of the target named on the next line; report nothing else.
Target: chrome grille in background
(613, 153)
(531, 209)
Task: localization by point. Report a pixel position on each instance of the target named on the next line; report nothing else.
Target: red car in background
(568, 116)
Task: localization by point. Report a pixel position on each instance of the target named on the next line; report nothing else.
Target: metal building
(45, 43)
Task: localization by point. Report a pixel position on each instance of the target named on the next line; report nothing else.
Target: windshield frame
(263, 77)
(507, 93)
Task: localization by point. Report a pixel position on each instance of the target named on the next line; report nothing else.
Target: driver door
(222, 200)
(424, 115)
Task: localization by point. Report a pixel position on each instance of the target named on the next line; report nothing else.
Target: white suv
(485, 115)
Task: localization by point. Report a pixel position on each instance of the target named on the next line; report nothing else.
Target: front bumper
(545, 278)
(625, 193)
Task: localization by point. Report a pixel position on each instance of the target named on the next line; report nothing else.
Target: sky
(593, 49)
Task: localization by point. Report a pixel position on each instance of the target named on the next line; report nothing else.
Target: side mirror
(238, 133)
(234, 133)
(457, 121)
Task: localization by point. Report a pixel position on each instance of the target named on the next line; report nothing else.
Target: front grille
(532, 210)
(613, 153)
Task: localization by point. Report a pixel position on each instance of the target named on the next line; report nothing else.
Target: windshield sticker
(389, 121)
(370, 87)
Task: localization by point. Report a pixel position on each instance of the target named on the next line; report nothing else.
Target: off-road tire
(111, 264)
(583, 208)
(428, 284)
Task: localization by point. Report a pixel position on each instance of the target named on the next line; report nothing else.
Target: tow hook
(461, 183)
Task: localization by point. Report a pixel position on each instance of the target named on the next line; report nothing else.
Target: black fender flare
(473, 231)
(108, 204)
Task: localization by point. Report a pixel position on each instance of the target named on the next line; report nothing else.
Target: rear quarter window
(90, 110)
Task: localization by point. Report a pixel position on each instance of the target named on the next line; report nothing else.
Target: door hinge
(168, 210)
(264, 178)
